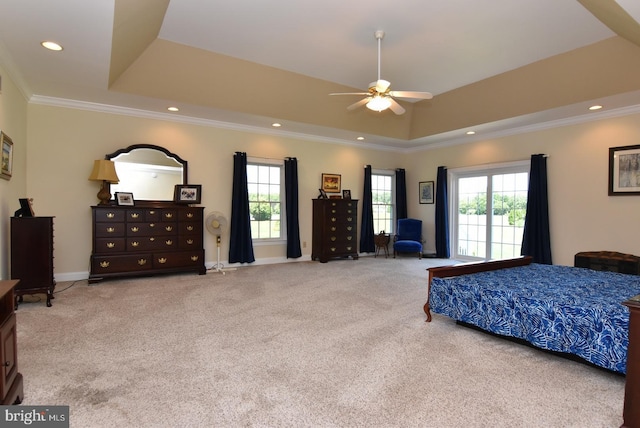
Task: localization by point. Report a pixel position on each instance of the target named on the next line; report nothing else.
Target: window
(266, 199)
(489, 207)
(382, 201)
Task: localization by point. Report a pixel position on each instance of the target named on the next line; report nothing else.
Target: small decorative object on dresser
(346, 194)
(125, 199)
(187, 193)
(334, 229)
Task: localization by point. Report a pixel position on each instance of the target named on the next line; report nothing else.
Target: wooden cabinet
(335, 223)
(608, 261)
(631, 412)
(11, 383)
(32, 256)
(146, 240)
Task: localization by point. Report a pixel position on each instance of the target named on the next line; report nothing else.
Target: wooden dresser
(32, 256)
(631, 412)
(146, 240)
(335, 224)
(609, 261)
(11, 383)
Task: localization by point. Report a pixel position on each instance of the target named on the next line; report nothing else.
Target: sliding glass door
(488, 211)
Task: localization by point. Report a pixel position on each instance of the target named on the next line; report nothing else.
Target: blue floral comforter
(559, 308)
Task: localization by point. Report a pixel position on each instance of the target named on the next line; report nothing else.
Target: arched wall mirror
(149, 172)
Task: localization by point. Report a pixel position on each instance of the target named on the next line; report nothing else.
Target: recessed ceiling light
(173, 109)
(596, 107)
(471, 132)
(52, 46)
(276, 125)
(360, 138)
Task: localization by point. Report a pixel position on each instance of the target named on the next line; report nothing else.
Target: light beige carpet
(341, 344)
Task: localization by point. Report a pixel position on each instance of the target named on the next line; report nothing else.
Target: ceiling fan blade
(350, 93)
(359, 103)
(395, 107)
(411, 94)
(382, 85)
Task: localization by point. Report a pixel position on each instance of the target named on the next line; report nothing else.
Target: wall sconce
(105, 171)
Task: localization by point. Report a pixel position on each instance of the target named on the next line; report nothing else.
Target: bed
(564, 309)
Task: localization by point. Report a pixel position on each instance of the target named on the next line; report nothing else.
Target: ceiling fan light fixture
(379, 103)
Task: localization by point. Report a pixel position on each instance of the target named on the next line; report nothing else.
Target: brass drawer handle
(189, 228)
(111, 245)
(152, 239)
(162, 260)
(189, 241)
(168, 242)
(135, 215)
(349, 218)
(142, 262)
(333, 228)
(111, 229)
(104, 264)
(189, 215)
(349, 238)
(168, 215)
(333, 238)
(168, 228)
(333, 219)
(194, 258)
(135, 229)
(111, 215)
(135, 243)
(349, 228)
(152, 212)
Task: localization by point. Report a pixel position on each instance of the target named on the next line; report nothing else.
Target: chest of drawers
(335, 223)
(609, 261)
(146, 240)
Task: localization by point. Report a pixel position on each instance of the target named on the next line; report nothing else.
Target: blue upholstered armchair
(408, 238)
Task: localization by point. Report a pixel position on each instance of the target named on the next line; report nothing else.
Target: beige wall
(64, 142)
(582, 215)
(55, 148)
(13, 121)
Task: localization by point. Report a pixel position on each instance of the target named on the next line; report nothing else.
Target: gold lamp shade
(105, 171)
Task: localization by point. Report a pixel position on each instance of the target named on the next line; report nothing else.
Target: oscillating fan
(216, 224)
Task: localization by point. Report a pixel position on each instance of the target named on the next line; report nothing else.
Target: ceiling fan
(379, 96)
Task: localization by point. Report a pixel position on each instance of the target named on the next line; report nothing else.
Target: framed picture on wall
(7, 156)
(425, 189)
(331, 183)
(624, 170)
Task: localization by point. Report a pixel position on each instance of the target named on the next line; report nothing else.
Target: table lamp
(105, 171)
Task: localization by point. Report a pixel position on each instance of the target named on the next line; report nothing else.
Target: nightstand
(382, 241)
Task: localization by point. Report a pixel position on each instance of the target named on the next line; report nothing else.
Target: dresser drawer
(101, 265)
(155, 229)
(189, 242)
(108, 215)
(181, 259)
(109, 245)
(147, 243)
(105, 230)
